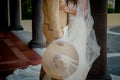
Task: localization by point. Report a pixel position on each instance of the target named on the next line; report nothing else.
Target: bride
(80, 28)
(81, 35)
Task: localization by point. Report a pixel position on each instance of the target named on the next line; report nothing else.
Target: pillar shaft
(37, 22)
(99, 13)
(3, 15)
(15, 15)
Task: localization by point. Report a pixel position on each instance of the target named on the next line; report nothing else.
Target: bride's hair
(74, 2)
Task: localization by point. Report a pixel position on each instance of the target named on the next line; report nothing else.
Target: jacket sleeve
(53, 16)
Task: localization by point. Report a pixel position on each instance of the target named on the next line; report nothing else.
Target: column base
(107, 77)
(35, 44)
(15, 27)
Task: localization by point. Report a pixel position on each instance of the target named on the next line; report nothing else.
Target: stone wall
(27, 25)
(113, 19)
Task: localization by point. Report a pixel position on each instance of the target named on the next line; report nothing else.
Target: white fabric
(71, 17)
(29, 73)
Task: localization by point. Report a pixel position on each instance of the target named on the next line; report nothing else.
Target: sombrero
(60, 61)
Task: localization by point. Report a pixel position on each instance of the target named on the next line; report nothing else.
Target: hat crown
(60, 61)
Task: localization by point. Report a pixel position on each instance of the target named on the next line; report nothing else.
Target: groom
(54, 22)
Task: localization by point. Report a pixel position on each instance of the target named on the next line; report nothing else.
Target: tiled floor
(112, 51)
(113, 56)
(14, 54)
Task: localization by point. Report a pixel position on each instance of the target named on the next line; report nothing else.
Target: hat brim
(66, 49)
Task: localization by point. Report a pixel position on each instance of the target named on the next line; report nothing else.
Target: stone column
(15, 15)
(3, 15)
(37, 22)
(99, 13)
(117, 5)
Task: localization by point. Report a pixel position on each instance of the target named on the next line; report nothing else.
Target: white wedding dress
(81, 34)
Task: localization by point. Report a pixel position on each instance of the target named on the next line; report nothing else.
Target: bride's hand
(64, 8)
